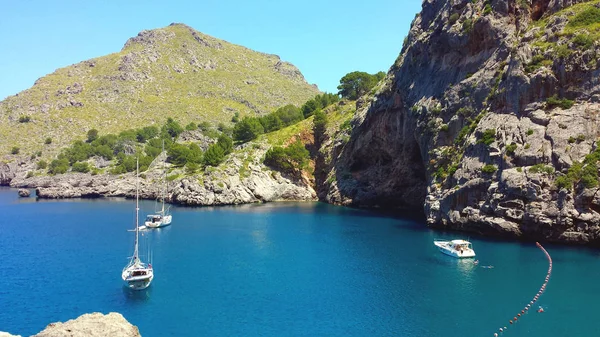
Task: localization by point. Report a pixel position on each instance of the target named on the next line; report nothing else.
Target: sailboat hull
(139, 284)
(138, 277)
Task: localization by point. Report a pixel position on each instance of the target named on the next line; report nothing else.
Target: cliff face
(487, 121)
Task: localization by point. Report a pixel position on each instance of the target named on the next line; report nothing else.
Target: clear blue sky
(325, 39)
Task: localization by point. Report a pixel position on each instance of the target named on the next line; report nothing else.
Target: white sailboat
(137, 274)
(162, 218)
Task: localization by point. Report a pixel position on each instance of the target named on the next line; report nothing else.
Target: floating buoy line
(536, 297)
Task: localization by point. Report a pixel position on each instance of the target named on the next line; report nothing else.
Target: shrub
(81, 167)
(24, 119)
(42, 164)
(178, 154)
(529, 132)
(541, 168)
(145, 134)
(172, 177)
(357, 83)
(564, 182)
(554, 101)
(195, 154)
(488, 137)
(589, 176)
(487, 9)
(225, 143)
(462, 134)
(319, 125)
(290, 114)
(510, 149)
(58, 166)
(15, 150)
(191, 168)
(289, 159)
(467, 26)
(452, 169)
(92, 135)
(453, 18)
(191, 126)
(236, 117)
(48, 141)
(489, 169)
(214, 155)
(562, 51)
(587, 17)
(247, 129)
(270, 123)
(585, 41)
(571, 140)
(205, 126)
(171, 128)
(444, 127)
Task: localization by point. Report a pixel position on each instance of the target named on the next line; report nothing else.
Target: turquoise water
(285, 269)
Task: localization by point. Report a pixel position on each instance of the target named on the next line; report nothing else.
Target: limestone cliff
(488, 121)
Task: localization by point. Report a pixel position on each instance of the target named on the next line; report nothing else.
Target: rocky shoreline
(243, 179)
(89, 325)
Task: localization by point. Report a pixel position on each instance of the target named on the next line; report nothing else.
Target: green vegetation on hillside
(249, 128)
(357, 83)
(287, 159)
(581, 173)
(173, 71)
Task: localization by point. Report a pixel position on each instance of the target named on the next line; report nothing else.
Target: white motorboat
(456, 248)
(137, 274)
(162, 218)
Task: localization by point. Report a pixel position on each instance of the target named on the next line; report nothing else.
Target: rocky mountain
(487, 121)
(174, 71)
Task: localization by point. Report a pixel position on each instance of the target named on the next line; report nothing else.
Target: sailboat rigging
(137, 274)
(162, 218)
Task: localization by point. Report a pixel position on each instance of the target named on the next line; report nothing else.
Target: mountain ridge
(173, 71)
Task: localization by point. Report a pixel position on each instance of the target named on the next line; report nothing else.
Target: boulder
(92, 325)
(24, 193)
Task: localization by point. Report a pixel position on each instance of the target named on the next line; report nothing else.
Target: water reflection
(137, 296)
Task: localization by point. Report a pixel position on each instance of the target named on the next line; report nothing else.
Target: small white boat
(456, 248)
(137, 274)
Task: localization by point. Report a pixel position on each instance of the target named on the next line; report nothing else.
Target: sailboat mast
(164, 181)
(137, 209)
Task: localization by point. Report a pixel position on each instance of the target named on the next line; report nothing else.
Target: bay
(281, 269)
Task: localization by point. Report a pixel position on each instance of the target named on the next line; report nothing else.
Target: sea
(282, 269)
